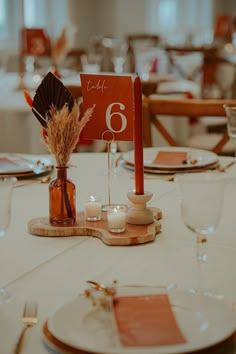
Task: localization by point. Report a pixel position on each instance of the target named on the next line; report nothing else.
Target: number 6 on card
(114, 105)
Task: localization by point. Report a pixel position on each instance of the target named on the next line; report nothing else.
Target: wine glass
(201, 196)
(118, 55)
(231, 121)
(6, 187)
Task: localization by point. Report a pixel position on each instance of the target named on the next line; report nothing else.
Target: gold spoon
(223, 169)
(101, 287)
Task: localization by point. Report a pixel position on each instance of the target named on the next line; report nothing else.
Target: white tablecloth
(54, 270)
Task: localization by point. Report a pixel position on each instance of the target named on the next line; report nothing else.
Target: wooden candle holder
(138, 213)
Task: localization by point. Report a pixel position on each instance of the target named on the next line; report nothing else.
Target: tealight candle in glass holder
(116, 217)
(93, 208)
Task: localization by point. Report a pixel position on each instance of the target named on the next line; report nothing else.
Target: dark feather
(50, 93)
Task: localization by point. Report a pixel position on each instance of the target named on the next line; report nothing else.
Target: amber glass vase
(62, 208)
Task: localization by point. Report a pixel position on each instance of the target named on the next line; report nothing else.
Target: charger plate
(78, 327)
(166, 171)
(198, 158)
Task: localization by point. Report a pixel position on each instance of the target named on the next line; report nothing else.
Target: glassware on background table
(118, 50)
(6, 187)
(145, 57)
(231, 122)
(91, 63)
(201, 206)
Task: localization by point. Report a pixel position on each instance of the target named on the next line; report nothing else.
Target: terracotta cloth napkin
(146, 320)
(171, 158)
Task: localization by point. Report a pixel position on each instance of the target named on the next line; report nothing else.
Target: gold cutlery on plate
(29, 319)
(107, 289)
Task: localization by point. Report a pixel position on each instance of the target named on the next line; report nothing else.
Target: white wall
(117, 18)
(106, 17)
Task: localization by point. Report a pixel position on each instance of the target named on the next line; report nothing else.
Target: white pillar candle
(93, 208)
(116, 218)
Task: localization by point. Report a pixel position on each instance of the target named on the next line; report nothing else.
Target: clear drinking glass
(119, 50)
(6, 186)
(231, 122)
(91, 63)
(201, 206)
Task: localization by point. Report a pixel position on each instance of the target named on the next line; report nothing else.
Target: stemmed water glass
(118, 55)
(231, 121)
(201, 196)
(6, 187)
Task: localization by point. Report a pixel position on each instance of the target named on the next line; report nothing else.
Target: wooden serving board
(134, 234)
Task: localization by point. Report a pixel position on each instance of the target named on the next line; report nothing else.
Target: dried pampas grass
(63, 131)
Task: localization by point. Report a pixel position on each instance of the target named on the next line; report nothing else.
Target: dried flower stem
(63, 131)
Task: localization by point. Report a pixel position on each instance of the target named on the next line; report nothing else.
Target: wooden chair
(208, 70)
(217, 76)
(73, 59)
(176, 54)
(153, 107)
(147, 39)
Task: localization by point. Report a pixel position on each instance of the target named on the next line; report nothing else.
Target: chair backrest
(218, 77)
(137, 39)
(154, 107)
(204, 65)
(73, 59)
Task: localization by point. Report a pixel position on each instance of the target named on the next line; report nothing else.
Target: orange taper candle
(138, 137)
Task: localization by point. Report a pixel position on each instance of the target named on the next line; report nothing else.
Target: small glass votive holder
(93, 208)
(116, 217)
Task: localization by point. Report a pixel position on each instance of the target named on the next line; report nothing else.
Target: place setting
(171, 160)
(122, 319)
(25, 167)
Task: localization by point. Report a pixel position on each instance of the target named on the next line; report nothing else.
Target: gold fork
(29, 318)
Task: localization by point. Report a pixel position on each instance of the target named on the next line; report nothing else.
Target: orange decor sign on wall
(113, 115)
(35, 41)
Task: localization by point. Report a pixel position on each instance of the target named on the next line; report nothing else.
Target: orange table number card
(113, 98)
(171, 158)
(146, 320)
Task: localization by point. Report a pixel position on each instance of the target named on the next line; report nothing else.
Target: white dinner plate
(22, 167)
(79, 325)
(202, 158)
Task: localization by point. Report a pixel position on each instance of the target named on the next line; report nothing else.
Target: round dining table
(54, 270)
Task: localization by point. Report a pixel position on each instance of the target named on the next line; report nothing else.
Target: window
(176, 19)
(15, 14)
(3, 19)
(167, 12)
